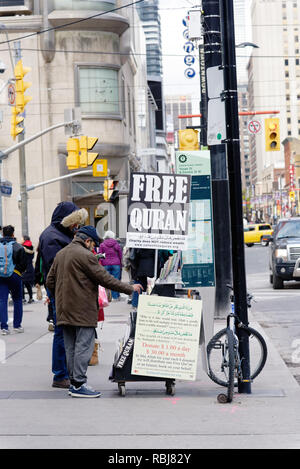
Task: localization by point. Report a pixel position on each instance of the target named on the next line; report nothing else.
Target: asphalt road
(277, 311)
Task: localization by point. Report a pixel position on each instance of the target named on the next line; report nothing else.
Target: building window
(98, 90)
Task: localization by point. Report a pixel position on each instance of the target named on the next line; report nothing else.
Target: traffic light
(110, 189)
(21, 86)
(292, 196)
(15, 121)
(272, 134)
(188, 140)
(78, 152)
(73, 153)
(87, 158)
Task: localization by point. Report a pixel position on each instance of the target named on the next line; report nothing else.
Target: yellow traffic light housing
(292, 196)
(21, 86)
(15, 121)
(87, 158)
(188, 140)
(272, 134)
(73, 153)
(109, 187)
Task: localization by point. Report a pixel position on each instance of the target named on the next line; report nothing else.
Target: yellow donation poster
(167, 337)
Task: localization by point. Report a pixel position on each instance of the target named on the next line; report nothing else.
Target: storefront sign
(167, 337)
(158, 211)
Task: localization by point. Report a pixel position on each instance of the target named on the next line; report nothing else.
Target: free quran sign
(158, 211)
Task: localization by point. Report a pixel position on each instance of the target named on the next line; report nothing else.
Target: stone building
(82, 54)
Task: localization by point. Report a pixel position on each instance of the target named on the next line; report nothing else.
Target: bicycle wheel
(231, 360)
(215, 351)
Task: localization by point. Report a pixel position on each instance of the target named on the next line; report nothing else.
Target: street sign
(254, 127)
(11, 92)
(216, 118)
(216, 122)
(100, 168)
(5, 188)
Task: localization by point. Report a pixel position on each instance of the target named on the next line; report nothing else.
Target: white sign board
(166, 340)
(158, 211)
(216, 122)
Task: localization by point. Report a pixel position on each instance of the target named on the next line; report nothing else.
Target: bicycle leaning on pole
(224, 361)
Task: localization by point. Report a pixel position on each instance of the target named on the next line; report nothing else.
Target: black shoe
(62, 383)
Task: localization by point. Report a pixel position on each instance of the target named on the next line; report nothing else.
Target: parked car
(255, 233)
(284, 245)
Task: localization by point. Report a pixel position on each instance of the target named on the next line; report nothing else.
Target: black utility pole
(235, 185)
(220, 191)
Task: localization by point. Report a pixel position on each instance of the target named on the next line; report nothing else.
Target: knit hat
(109, 235)
(91, 232)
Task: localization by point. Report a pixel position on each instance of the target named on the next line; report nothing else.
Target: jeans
(59, 364)
(135, 296)
(12, 285)
(115, 271)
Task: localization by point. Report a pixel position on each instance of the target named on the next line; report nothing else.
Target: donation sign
(167, 337)
(158, 211)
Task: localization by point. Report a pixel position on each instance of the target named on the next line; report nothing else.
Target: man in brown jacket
(73, 279)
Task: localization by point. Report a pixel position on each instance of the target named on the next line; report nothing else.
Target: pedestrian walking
(28, 275)
(66, 219)
(113, 258)
(74, 279)
(12, 265)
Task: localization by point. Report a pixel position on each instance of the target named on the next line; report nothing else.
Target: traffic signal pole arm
(50, 181)
(4, 154)
(241, 113)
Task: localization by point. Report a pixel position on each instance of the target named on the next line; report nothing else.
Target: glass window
(98, 90)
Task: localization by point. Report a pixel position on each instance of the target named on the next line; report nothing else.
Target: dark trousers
(59, 365)
(142, 280)
(12, 285)
(29, 289)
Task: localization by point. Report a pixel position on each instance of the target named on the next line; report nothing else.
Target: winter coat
(113, 252)
(73, 279)
(28, 275)
(19, 258)
(58, 235)
(144, 261)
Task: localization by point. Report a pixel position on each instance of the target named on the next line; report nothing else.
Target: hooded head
(68, 215)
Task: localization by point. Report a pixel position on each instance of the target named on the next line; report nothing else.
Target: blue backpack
(6, 259)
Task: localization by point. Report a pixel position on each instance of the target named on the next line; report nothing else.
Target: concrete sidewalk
(35, 415)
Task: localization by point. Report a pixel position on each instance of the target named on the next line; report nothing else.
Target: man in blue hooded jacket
(66, 219)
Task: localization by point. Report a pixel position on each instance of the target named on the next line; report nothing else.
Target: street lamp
(246, 44)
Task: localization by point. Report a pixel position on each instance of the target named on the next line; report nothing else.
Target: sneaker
(5, 331)
(31, 300)
(51, 326)
(84, 391)
(18, 329)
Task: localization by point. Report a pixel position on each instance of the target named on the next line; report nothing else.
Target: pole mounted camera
(3, 67)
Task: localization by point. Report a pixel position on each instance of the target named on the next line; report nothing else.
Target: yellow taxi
(254, 233)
